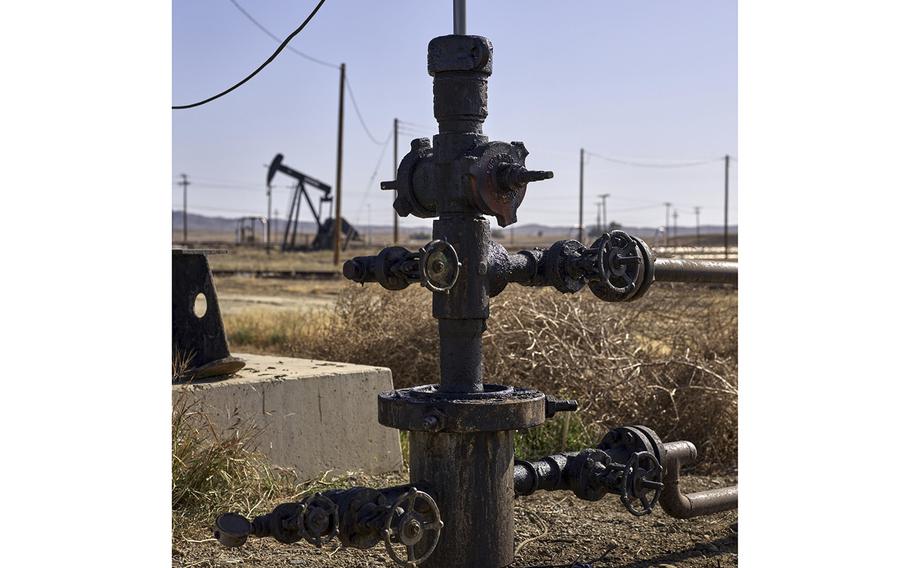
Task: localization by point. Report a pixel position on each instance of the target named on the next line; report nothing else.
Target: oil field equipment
(199, 344)
(325, 230)
(457, 510)
(245, 232)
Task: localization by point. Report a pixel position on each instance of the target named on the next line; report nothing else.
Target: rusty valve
(412, 517)
(499, 179)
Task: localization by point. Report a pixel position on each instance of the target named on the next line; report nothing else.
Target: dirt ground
(237, 294)
(552, 530)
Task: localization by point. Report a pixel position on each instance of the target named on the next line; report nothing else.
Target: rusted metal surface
(461, 430)
(688, 505)
(704, 271)
(428, 410)
(472, 478)
(198, 339)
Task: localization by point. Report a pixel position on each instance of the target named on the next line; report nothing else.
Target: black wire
(261, 67)
(347, 85)
(651, 165)
(276, 38)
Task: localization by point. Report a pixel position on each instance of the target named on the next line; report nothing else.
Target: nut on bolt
(433, 421)
(554, 405)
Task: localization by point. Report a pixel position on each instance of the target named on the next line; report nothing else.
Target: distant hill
(204, 223)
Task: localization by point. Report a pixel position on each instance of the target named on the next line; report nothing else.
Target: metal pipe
(460, 17)
(472, 479)
(687, 505)
(705, 271)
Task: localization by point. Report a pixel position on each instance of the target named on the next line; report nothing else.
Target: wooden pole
(338, 168)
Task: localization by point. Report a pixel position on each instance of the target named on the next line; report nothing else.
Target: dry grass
(214, 472)
(668, 361)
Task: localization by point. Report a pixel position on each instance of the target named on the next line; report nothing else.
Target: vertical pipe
(581, 195)
(460, 17)
(478, 495)
(338, 167)
(395, 176)
(726, 206)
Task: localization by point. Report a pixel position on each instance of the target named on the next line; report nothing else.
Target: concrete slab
(313, 416)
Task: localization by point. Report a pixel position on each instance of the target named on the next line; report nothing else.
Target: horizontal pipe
(705, 271)
(688, 505)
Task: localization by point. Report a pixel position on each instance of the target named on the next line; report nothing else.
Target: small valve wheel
(618, 266)
(409, 519)
(439, 266)
(642, 483)
(319, 519)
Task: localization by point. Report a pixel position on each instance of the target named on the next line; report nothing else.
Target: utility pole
(603, 199)
(675, 227)
(726, 206)
(581, 196)
(667, 225)
(338, 168)
(268, 222)
(597, 204)
(184, 183)
(395, 176)
(697, 227)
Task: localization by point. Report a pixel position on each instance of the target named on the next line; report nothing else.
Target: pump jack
(324, 230)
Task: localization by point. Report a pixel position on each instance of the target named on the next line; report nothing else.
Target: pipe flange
(285, 523)
(589, 468)
(387, 278)
(357, 505)
(319, 519)
(556, 266)
(409, 409)
(647, 279)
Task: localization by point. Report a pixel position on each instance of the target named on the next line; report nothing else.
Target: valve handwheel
(642, 476)
(439, 266)
(319, 519)
(411, 523)
(619, 265)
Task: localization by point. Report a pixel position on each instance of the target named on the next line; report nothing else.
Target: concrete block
(313, 416)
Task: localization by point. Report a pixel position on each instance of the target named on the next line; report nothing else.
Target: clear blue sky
(637, 79)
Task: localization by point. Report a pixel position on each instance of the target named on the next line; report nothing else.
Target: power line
(360, 116)
(261, 67)
(366, 190)
(276, 38)
(654, 164)
(348, 87)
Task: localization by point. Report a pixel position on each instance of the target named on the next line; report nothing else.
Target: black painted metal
(199, 341)
(402, 517)
(461, 430)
